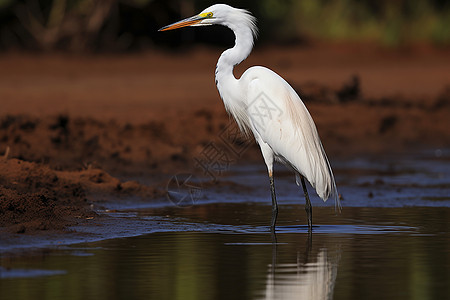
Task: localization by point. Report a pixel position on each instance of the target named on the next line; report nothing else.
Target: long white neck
(225, 79)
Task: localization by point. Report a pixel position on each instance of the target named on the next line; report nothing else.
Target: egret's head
(216, 14)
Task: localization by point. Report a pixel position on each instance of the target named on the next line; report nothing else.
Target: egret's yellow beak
(183, 23)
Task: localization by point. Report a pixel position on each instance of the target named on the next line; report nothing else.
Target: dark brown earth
(72, 128)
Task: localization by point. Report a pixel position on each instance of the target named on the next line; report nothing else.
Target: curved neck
(233, 56)
(227, 84)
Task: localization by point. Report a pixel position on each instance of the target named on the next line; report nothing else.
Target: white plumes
(321, 176)
(250, 21)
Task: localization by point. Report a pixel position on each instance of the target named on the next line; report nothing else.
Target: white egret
(264, 104)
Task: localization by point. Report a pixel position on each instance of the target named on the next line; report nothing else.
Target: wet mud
(61, 164)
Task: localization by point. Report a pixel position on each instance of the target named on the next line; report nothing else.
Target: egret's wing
(282, 121)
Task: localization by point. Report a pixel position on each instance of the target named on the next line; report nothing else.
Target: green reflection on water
(409, 264)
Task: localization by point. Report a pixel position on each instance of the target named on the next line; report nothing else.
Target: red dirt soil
(70, 126)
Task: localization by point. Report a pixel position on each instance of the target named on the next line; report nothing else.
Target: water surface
(391, 241)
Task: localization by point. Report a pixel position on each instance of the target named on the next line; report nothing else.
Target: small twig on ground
(5, 156)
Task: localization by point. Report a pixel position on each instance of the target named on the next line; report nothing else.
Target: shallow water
(391, 241)
(203, 255)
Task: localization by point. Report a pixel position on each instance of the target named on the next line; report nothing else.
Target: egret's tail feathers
(316, 167)
(333, 192)
(335, 195)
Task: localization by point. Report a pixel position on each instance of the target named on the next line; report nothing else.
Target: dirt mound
(34, 197)
(67, 143)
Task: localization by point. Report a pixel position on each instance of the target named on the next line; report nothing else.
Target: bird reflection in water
(311, 276)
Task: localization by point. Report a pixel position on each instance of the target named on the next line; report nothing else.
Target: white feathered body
(275, 114)
(263, 103)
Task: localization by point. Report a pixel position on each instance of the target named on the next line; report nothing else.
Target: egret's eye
(206, 15)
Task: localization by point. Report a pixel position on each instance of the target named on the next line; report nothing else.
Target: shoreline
(76, 131)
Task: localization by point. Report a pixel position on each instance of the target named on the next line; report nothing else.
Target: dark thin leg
(274, 237)
(308, 206)
(274, 204)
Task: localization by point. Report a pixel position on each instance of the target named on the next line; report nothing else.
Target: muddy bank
(74, 130)
(34, 197)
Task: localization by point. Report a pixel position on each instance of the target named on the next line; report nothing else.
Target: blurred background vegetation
(131, 25)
